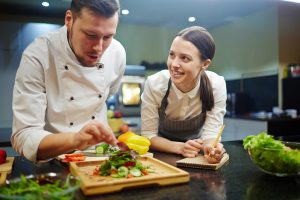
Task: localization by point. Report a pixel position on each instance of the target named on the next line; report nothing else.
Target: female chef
(183, 107)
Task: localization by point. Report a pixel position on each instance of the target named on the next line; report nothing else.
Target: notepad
(201, 162)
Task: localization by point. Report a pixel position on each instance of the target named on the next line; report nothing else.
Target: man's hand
(93, 133)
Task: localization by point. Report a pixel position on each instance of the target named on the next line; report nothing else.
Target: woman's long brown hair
(206, 93)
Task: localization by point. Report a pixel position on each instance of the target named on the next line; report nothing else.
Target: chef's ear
(68, 18)
(206, 63)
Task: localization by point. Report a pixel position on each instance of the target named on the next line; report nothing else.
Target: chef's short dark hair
(106, 8)
(201, 39)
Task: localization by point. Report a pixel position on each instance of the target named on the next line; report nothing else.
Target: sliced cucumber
(135, 171)
(123, 171)
(102, 148)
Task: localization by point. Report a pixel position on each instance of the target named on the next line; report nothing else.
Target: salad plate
(162, 174)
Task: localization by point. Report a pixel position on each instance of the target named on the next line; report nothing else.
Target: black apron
(179, 130)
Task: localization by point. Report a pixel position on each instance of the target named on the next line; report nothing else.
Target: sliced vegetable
(145, 172)
(102, 148)
(135, 172)
(129, 175)
(123, 171)
(129, 164)
(75, 157)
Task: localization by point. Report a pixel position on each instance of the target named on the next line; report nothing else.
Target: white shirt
(182, 105)
(54, 93)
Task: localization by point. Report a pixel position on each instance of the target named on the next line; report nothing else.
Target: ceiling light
(294, 1)
(125, 12)
(45, 4)
(192, 19)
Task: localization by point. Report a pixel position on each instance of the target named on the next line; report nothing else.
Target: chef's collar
(190, 94)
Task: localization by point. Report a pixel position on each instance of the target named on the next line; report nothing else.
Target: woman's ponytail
(206, 93)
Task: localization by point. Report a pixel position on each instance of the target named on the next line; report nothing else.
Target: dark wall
(291, 93)
(257, 94)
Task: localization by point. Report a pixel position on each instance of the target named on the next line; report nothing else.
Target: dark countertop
(238, 179)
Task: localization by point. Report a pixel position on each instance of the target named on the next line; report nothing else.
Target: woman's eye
(171, 54)
(185, 59)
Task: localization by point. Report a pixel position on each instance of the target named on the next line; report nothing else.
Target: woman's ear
(206, 63)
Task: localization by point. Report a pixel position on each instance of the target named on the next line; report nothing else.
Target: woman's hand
(93, 133)
(213, 155)
(191, 148)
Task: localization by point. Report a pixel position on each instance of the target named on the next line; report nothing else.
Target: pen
(219, 135)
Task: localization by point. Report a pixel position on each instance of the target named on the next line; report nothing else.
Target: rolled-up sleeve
(29, 106)
(215, 117)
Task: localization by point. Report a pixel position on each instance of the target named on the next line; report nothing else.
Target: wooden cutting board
(163, 174)
(5, 169)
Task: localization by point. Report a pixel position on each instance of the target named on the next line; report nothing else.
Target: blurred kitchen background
(258, 53)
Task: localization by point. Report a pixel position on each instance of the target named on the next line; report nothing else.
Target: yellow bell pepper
(123, 137)
(138, 140)
(139, 148)
(139, 143)
(135, 142)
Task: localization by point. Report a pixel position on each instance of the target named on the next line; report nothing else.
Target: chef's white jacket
(54, 93)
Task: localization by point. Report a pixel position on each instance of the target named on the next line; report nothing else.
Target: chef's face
(185, 64)
(90, 34)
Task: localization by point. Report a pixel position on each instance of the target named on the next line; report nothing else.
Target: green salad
(272, 155)
(122, 164)
(40, 189)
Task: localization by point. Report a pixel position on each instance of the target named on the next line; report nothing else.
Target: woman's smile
(177, 74)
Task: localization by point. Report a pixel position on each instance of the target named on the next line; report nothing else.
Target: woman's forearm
(165, 145)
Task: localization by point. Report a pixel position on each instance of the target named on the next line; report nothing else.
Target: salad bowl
(274, 157)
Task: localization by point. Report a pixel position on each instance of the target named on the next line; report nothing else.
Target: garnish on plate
(122, 163)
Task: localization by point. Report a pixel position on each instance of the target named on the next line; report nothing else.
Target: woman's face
(90, 35)
(184, 64)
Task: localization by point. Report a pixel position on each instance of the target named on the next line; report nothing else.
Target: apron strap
(164, 102)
